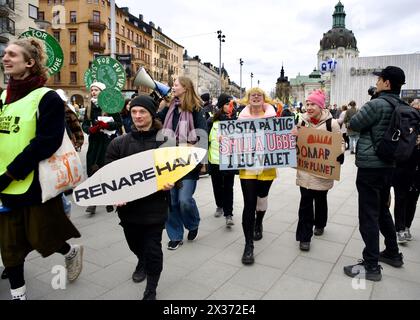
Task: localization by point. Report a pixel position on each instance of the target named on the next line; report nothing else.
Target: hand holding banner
(317, 152)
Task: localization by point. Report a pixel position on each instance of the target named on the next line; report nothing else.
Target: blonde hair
(191, 100)
(34, 49)
(245, 99)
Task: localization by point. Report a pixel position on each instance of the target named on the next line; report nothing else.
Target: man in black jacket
(143, 220)
(374, 178)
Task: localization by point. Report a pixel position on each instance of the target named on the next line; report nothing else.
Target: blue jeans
(353, 142)
(183, 211)
(66, 205)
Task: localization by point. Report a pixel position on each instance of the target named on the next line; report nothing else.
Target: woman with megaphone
(185, 122)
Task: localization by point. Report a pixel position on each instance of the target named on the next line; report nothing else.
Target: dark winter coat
(371, 121)
(152, 209)
(98, 142)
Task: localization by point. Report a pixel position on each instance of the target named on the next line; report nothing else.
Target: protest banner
(257, 144)
(137, 176)
(317, 152)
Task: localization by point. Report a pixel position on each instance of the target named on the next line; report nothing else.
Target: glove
(340, 158)
(94, 129)
(5, 180)
(103, 125)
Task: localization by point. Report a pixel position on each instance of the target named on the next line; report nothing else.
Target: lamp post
(221, 38)
(241, 62)
(258, 83)
(252, 76)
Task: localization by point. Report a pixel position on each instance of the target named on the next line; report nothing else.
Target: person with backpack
(374, 178)
(406, 183)
(313, 207)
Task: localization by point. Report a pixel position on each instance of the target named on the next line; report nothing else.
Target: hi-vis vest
(17, 129)
(214, 144)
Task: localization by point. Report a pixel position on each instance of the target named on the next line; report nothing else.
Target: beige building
(83, 29)
(15, 18)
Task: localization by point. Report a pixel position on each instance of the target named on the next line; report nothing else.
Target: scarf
(17, 89)
(184, 131)
(314, 121)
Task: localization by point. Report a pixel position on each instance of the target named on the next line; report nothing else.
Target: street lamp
(241, 62)
(252, 76)
(221, 38)
(258, 83)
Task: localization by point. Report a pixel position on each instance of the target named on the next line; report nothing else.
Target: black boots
(258, 230)
(248, 256)
(150, 291)
(139, 274)
(91, 209)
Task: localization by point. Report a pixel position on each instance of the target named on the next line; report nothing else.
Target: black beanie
(223, 99)
(205, 97)
(146, 102)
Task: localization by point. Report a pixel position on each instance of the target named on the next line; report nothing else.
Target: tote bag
(61, 172)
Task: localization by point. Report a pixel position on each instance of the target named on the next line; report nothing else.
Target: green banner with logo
(108, 71)
(111, 100)
(52, 46)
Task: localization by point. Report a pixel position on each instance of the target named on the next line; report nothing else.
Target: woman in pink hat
(313, 207)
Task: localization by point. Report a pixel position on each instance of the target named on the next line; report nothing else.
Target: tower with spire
(283, 87)
(338, 42)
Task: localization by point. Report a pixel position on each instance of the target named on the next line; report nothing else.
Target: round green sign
(111, 100)
(108, 71)
(88, 78)
(52, 46)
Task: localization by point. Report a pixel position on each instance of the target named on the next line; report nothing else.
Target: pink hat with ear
(317, 97)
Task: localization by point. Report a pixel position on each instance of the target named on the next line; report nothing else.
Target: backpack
(400, 137)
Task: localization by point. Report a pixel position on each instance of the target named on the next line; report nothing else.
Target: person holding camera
(374, 177)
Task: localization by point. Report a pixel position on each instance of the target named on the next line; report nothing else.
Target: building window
(96, 16)
(109, 23)
(96, 37)
(73, 37)
(33, 12)
(123, 31)
(56, 35)
(57, 77)
(56, 17)
(7, 25)
(41, 15)
(117, 27)
(123, 46)
(73, 77)
(73, 57)
(73, 16)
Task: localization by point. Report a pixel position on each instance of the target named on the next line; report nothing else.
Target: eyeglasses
(256, 95)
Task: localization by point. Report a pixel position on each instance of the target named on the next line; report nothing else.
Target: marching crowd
(28, 224)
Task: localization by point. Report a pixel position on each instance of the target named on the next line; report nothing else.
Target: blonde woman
(255, 184)
(181, 120)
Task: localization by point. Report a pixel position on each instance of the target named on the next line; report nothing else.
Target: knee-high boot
(152, 283)
(258, 231)
(248, 255)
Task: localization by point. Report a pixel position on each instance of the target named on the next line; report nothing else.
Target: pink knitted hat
(317, 97)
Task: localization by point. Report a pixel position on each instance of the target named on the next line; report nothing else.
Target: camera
(371, 91)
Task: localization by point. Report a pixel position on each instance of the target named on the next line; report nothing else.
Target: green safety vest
(214, 144)
(17, 129)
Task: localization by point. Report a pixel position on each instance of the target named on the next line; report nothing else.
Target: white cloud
(266, 33)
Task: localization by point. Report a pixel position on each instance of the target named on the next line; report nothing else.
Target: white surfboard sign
(137, 176)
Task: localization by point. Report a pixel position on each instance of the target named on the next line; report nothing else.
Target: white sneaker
(219, 212)
(19, 293)
(229, 221)
(408, 235)
(401, 237)
(74, 262)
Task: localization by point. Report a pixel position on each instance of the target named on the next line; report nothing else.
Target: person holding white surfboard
(143, 220)
(184, 121)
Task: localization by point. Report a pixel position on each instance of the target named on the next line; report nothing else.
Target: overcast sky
(267, 33)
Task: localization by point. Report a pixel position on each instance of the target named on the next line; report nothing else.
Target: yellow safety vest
(17, 129)
(214, 144)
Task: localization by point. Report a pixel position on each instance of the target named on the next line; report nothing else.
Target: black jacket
(152, 209)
